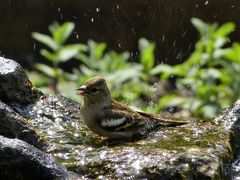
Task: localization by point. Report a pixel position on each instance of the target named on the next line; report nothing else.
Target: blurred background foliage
(201, 86)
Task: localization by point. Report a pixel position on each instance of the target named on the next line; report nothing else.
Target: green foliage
(95, 60)
(204, 84)
(59, 52)
(147, 57)
(208, 78)
(115, 67)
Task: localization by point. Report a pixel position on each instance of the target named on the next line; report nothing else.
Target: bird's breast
(89, 115)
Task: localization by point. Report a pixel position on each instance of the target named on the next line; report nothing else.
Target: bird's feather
(165, 121)
(118, 117)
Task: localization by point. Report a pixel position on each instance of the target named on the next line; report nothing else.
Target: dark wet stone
(13, 125)
(19, 156)
(15, 87)
(20, 160)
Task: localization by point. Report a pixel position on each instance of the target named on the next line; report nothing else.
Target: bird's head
(95, 90)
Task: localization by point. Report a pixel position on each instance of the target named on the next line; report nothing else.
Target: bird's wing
(164, 121)
(120, 106)
(119, 117)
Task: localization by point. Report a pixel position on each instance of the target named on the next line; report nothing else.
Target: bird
(113, 119)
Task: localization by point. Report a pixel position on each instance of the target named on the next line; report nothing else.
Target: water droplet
(206, 3)
(76, 135)
(170, 109)
(92, 19)
(137, 165)
(174, 43)
(131, 54)
(103, 154)
(50, 132)
(101, 177)
(97, 9)
(151, 104)
(155, 85)
(163, 38)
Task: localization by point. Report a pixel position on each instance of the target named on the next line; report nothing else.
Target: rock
(16, 90)
(201, 149)
(13, 125)
(15, 85)
(20, 160)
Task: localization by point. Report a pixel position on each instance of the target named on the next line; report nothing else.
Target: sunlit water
(236, 169)
(79, 150)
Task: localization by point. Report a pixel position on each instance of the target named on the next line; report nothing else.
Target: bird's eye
(94, 89)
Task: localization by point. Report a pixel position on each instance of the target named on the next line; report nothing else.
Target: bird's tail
(164, 121)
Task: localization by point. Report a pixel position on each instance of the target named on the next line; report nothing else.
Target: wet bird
(110, 118)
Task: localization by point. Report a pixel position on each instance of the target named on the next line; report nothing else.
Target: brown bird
(110, 118)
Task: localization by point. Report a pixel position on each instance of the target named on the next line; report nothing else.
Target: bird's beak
(82, 90)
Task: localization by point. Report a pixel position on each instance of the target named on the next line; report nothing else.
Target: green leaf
(69, 51)
(48, 55)
(123, 75)
(220, 42)
(62, 33)
(211, 73)
(147, 56)
(219, 53)
(224, 30)
(47, 70)
(166, 100)
(113, 61)
(199, 25)
(206, 30)
(162, 68)
(96, 49)
(226, 78)
(193, 104)
(83, 58)
(45, 39)
(87, 71)
(233, 53)
(53, 27)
